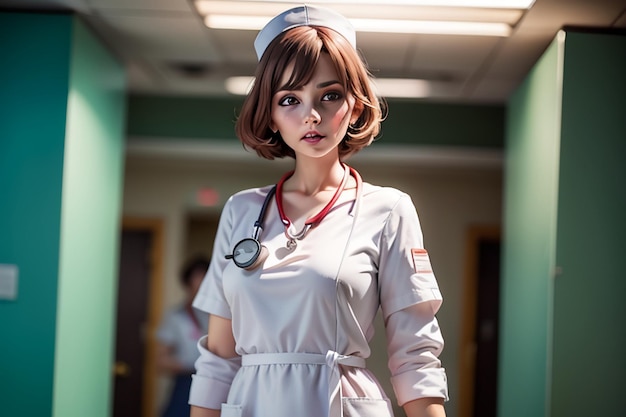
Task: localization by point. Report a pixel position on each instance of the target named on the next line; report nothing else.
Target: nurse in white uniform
(300, 268)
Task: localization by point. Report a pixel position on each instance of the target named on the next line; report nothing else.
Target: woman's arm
(220, 342)
(203, 412)
(425, 407)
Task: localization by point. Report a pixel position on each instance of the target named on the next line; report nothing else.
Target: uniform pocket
(366, 407)
(229, 410)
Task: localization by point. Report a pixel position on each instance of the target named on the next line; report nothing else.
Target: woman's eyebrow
(327, 83)
(320, 85)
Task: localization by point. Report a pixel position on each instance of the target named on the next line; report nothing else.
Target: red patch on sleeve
(421, 261)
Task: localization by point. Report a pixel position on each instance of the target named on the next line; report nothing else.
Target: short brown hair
(303, 46)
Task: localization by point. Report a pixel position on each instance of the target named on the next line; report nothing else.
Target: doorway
(200, 230)
(480, 324)
(138, 311)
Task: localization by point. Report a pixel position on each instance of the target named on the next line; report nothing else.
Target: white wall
(452, 190)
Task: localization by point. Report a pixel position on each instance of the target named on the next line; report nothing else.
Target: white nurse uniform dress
(302, 321)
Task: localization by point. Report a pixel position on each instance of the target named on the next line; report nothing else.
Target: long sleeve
(414, 343)
(410, 298)
(213, 377)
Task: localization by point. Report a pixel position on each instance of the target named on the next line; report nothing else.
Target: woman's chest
(342, 248)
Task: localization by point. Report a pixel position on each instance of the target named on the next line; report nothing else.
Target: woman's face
(313, 120)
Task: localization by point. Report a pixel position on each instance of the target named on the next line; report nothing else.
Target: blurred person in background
(177, 337)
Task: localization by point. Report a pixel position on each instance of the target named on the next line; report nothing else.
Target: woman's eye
(288, 101)
(332, 96)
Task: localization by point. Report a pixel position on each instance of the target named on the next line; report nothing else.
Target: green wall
(589, 334)
(530, 201)
(91, 205)
(562, 336)
(417, 123)
(34, 80)
(61, 136)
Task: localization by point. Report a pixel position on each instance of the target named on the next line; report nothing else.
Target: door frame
(467, 345)
(155, 227)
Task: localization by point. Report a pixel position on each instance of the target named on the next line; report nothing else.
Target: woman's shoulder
(249, 195)
(385, 195)
(244, 203)
(389, 203)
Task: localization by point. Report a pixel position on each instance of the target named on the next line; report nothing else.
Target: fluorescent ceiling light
(376, 25)
(239, 86)
(464, 14)
(385, 87)
(490, 4)
(477, 17)
(432, 27)
(402, 87)
(229, 21)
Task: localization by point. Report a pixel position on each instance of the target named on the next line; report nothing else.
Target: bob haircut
(303, 46)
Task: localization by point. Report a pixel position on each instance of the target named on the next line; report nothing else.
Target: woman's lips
(312, 137)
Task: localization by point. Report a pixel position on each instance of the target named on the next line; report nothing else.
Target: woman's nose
(312, 116)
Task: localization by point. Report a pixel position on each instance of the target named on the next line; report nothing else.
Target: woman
(300, 269)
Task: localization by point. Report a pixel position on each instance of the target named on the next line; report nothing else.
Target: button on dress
(302, 321)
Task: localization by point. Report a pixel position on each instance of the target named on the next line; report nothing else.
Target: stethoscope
(248, 253)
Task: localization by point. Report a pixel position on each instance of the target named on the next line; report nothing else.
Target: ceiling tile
(166, 5)
(457, 56)
(385, 53)
(490, 90)
(236, 45)
(176, 37)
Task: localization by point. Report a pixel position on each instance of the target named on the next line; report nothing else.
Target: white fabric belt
(255, 359)
(331, 359)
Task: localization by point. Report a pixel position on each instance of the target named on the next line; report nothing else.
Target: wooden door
(478, 364)
(138, 313)
(487, 324)
(132, 312)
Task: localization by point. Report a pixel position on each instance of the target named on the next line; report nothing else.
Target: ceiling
(169, 51)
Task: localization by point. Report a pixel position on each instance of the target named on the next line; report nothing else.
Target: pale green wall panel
(562, 337)
(531, 176)
(589, 332)
(91, 209)
(33, 94)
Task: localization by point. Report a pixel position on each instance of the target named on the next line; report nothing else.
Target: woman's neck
(313, 176)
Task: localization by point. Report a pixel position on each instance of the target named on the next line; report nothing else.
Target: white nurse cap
(303, 16)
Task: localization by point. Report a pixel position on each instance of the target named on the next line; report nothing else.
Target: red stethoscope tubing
(312, 221)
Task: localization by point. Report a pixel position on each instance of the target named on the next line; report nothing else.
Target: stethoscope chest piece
(248, 253)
